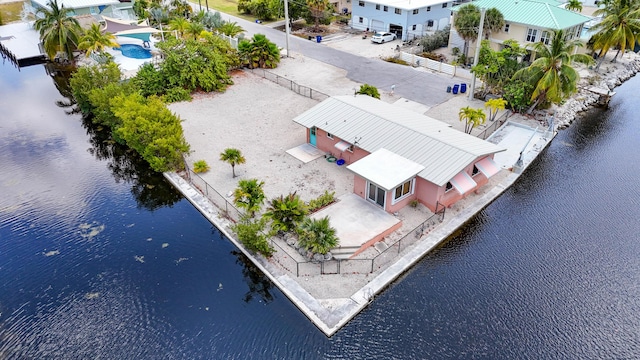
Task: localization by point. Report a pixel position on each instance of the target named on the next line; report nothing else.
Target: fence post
(371, 265)
(297, 269)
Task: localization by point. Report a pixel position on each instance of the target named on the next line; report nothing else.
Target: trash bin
(463, 88)
(448, 89)
(310, 37)
(456, 87)
(318, 38)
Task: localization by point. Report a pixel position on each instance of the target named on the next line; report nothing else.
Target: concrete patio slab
(305, 153)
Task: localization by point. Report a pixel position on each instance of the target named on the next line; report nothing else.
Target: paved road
(414, 84)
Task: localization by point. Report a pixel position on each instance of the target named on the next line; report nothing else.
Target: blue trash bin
(456, 87)
(318, 38)
(463, 88)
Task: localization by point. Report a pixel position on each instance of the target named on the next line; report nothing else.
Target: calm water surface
(100, 258)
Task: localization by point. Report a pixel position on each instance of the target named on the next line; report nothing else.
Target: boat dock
(20, 44)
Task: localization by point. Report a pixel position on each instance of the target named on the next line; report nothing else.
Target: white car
(382, 37)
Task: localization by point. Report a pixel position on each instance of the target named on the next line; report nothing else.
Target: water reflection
(259, 285)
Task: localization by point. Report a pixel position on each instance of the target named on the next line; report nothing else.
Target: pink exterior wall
(377, 238)
(324, 143)
(400, 204)
(360, 186)
(427, 193)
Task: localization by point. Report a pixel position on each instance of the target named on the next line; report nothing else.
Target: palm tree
(286, 212)
(180, 25)
(493, 22)
(249, 195)
(195, 29)
(317, 235)
(95, 41)
(259, 52)
(467, 23)
(471, 118)
(494, 106)
(58, 31)
(574, 5)
(317, 9)
(551, 73)
(233, 157)
(230, 28)
(620, 27)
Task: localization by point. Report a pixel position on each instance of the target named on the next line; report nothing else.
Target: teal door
(312, 136)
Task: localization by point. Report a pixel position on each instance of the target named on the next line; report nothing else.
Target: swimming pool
(134, 51)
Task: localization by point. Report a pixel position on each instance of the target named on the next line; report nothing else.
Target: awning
(463, 183)
(488, 167)
(342, 145)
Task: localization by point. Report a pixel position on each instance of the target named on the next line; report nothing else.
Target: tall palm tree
(95, 41)
(574, 5)
(233, 157)
(317, 9)
(194, 29)
(551, 73)
(58, 31)
(467, 23)
(619, 28)
(249, 195)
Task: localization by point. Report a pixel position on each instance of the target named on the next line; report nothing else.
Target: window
(578, 31)
(415, 11)
(377, 6)
(475, 171)
(385, 8)
(360, 20)
(545, 37)
(444, 6)
(398, 11)
(430, 23)
(361, 3)
(330, 136)
(413, 27)
(428, 8)
(403, 190)
(506, 28)
(350, 149)
(531, 35)
(448, 187)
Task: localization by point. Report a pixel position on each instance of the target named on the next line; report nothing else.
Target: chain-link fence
(291, 85)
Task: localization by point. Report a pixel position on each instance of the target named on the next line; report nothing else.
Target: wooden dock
(20, 44)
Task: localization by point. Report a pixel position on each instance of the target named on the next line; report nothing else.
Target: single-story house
(406, 18)
(398, 155)
(121, 9)
(527, 22)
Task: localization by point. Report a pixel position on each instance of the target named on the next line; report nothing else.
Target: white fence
(415, 60)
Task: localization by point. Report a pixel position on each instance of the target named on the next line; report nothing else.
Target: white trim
(411, 191)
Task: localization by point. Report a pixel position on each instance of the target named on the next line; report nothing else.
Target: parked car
(382, 37)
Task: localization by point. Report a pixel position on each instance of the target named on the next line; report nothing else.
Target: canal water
(101, 258)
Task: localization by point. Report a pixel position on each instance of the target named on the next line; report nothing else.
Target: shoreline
(328, 313)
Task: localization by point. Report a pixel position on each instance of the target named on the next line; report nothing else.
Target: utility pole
(286, 24)
(475, 59)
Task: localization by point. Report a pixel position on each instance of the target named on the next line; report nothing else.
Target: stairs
(344, 252)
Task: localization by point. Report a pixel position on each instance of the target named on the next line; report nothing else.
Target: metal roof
(372, 124)
(77, 4)
(386, 169)
(545, 14)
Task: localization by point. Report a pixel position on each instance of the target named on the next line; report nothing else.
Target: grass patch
(10, 12)
(224, 6)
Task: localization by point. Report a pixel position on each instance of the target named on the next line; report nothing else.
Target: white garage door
(377, 25)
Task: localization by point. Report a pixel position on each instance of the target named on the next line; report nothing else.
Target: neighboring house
(406, 18)
(398, 155)
(527, 22)
(122, 9)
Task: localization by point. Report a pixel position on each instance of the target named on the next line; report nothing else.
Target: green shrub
(251, 235)
(176, 94)
(317, 235)
(370, 90)
(286, 212)
(200, 166)
(88, 78)
(321, 201)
